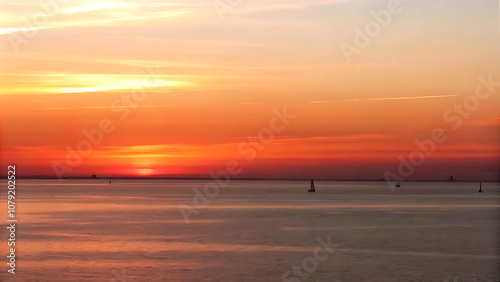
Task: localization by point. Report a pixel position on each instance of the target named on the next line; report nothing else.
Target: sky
(182, 88)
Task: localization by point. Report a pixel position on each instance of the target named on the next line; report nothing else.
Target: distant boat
(480, 190)
(312, 189)
(398, 185)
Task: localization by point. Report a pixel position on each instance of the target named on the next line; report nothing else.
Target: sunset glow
(145, 171)
(182, 92)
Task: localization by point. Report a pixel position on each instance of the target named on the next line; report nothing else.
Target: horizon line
(42, 177)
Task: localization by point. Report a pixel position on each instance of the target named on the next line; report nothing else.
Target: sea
(203, 230)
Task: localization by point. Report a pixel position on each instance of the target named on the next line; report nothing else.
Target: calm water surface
(133, 230)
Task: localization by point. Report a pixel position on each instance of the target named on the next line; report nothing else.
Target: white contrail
(385, 98)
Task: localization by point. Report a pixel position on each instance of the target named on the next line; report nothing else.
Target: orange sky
(207, 84)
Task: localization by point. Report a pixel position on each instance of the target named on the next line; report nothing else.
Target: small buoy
(480, 190)
(110, 182)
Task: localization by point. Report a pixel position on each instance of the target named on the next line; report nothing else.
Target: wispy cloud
(106, 107)
(282, 5)
(66, 83)
(91, 14)
(94, 7)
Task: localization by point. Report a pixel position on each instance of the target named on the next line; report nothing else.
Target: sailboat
(312, 189)
(480, 190)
